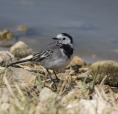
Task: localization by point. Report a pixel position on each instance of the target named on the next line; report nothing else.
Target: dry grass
(15, 100)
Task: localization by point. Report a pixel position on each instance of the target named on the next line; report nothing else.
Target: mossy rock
(107, 70)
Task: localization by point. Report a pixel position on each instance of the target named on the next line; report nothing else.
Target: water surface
(93, 24)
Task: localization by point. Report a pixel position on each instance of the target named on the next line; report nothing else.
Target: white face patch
(63, 39)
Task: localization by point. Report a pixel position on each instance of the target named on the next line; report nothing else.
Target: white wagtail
(56, 57)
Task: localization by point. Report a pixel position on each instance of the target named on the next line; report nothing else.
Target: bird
(56, 57)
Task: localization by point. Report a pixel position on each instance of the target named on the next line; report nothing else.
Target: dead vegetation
(82, 89)
(73, 96)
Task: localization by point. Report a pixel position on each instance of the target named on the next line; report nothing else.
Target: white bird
(57, 56)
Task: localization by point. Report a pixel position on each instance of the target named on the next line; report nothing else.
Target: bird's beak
(55, 38)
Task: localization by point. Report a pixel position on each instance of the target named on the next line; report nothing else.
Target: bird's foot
(54, 86)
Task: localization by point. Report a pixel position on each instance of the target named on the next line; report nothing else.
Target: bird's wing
(43, 55)
(46, 54)
(35, 58)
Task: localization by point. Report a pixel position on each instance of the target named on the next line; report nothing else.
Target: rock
(20, 50)
(96, 106)
(6, 35)
(107, 70)
(23, 77)
(46, 95)
(92, 106)
(23, 28)
(76, 63)
(6, 58)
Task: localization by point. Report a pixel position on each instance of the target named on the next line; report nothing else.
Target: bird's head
(64, 39)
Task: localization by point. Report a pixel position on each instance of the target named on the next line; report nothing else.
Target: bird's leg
(57, 79)
(53, 81)
(49, 75)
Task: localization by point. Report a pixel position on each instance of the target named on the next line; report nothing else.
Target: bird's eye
(64, 38)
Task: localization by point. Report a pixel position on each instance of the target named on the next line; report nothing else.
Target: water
(93, 24)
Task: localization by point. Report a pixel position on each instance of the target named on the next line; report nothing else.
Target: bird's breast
(57, 64)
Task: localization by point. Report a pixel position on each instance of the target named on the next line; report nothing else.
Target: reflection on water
(93, 24)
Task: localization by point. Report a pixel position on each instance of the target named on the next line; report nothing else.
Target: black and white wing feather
(43, 55)
(46, 54)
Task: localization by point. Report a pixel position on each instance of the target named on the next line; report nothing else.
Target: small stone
(76, 63)
(107, 70)
(6, 58)
(20, 50)
(46, 95)
(23, 28)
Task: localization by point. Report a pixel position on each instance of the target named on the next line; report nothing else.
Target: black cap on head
(65, 34)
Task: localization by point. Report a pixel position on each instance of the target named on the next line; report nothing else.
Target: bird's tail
(27, 59)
